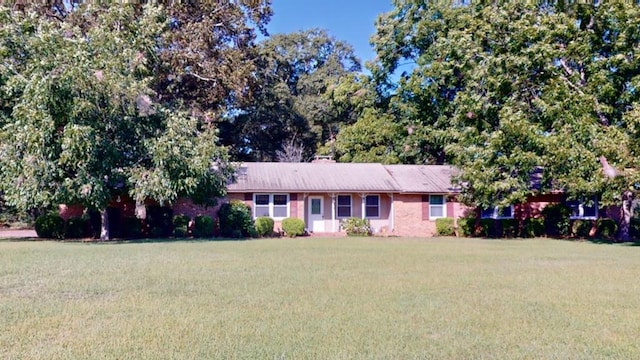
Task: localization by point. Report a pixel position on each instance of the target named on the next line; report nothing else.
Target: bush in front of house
(264, 226)
(581, 228)
(235, 220)
(50, 226)
(75, 228)
(357, 227)
(533, 227)
(293, 227)
(607, 228)
(487, 228)
(132, 228)
(556, 220)
(467, 226)
(509, 228)
(203, 226)
(181, 226)
(634, 228)
(444, 227)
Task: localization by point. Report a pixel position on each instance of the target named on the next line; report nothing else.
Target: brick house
(402, 200)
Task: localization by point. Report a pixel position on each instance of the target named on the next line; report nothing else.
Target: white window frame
(367, 206)
(581, 215)
(496, 213)
(338, 206)
(432, 206)
(272, 205)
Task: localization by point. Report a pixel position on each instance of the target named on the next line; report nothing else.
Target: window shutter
(425, 207)
(450, 209)
(293, 197)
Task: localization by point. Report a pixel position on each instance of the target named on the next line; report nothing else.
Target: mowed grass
(343, 298)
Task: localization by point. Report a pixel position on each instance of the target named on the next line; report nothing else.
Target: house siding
(408, 210)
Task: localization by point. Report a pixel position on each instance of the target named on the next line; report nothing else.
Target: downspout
(363, 201)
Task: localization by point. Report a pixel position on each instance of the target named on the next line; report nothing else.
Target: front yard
(320, 299)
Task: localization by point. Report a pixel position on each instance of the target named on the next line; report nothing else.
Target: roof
(342, 177)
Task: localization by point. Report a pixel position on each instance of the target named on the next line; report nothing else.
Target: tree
(81, 122)
(503, 90)
(289, 109)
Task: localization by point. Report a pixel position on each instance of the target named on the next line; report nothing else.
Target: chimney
(323, 159)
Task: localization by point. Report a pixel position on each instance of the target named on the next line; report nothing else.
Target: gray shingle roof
(342, 177)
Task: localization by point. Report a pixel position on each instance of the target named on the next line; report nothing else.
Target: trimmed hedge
(467, 226)
(293, 227)
(533, 227)
(132, 228)
(444, 227)
(556, 220)
(75, 228)
(181, 226)
(264, 226)
(509, 228)
(581, 228)
(235, 220)
(357, 227)
(607, 228)
(50, 226)
(203, 226)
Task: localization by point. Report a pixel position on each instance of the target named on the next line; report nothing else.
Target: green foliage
(132, 228)
(50, 226)
(235, 220)
(488, 228)
(444, 227)
(533, 227)
(292, 106)
(355, 226)
(293, 227)
(634, 229)
(607, 228)
(203, 226)
(75, 228)
(467, 226)
(264, 226)
(181, 226)
(509, 228)
(556, 220)
(581, 228)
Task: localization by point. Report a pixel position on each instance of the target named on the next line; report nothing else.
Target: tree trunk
(104, 224)
(625, 215)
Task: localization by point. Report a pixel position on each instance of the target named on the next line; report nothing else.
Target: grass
(340, 298)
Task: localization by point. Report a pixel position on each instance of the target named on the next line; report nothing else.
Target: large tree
(291, 109)
(81, 122)
(505, 89)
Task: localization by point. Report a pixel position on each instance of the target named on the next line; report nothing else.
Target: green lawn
(320, 299)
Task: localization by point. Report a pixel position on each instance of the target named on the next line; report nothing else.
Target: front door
(316, 210)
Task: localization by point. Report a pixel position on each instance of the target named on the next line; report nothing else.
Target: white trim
(496, 213)
(272, 205)
(310, 214)
(444, 207)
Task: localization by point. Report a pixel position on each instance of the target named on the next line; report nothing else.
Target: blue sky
(352, 21)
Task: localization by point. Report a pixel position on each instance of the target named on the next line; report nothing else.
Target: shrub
(132, 228)
(181, 226)
(50, 226)
(533, 227)
(488, 228)
(264, 226)
(634, 228)
(467, 226)
(357, 227)
(607, 228)
(235, 220)
(581, 228)
(509, 228)
(444, 227)
(75, 228)
(293, 227)
(203, 226)
(160, 221)
(556, 220)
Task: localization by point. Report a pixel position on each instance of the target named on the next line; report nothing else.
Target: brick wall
(408, 217)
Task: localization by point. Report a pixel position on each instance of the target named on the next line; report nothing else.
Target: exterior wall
(408, 217)
(185, 206)
(534, 205)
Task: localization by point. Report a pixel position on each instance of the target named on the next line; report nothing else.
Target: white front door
(316, 211)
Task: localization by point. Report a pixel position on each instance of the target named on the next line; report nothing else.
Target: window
(271, 205)
(584, 209)
(372, 206)
(344, 206)
(497, 212)
(437, 207)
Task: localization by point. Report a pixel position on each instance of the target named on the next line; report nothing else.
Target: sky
(352, 21)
